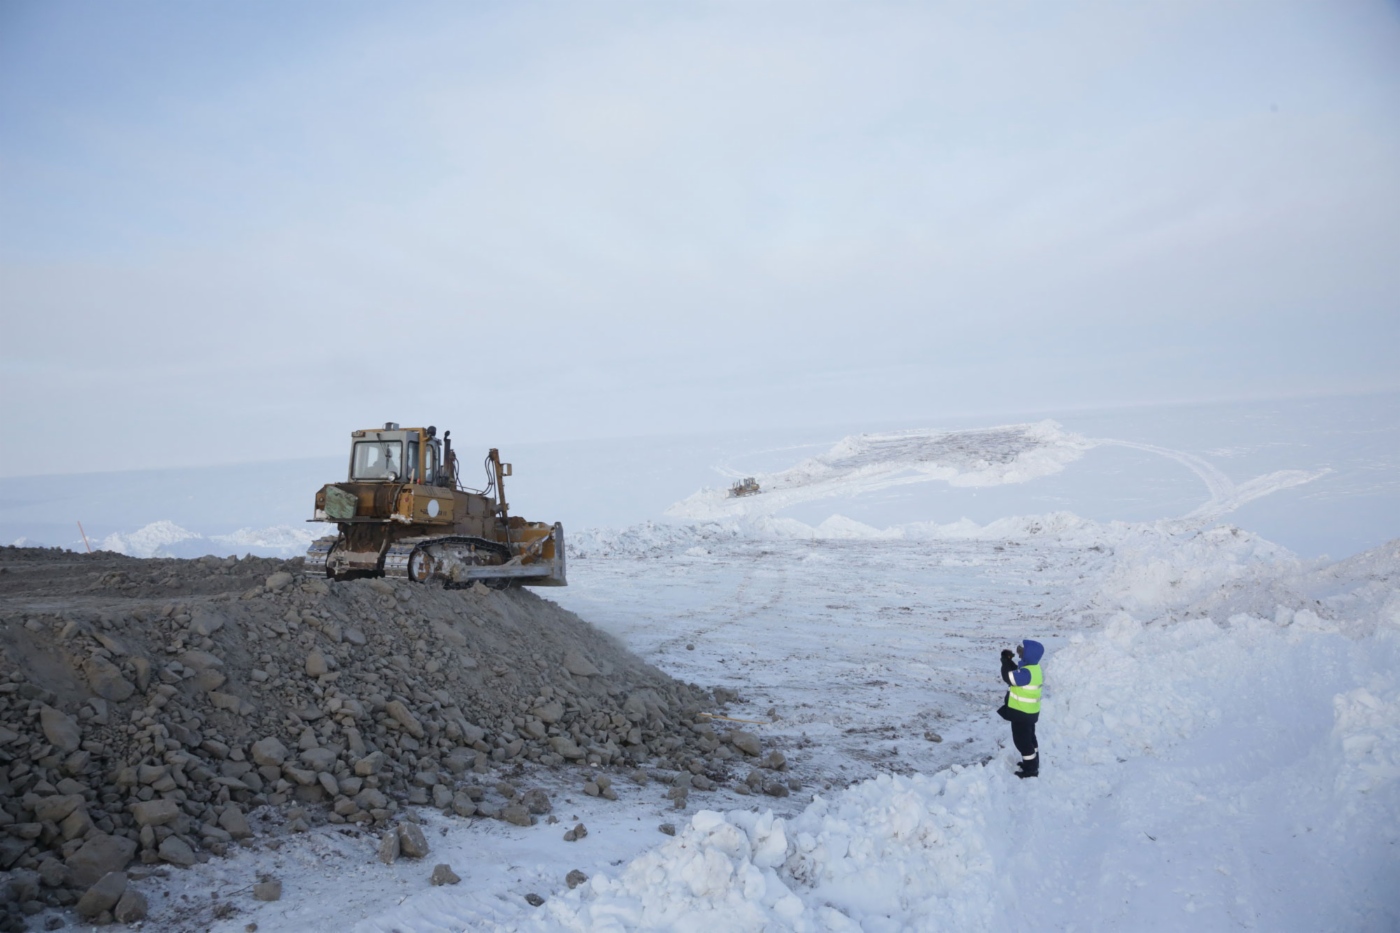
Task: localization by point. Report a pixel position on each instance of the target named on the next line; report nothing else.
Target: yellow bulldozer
(403, 513)
(746, 487)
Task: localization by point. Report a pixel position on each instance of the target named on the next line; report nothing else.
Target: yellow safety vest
(1027, 698)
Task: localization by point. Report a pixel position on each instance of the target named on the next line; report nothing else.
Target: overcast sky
(237, 231)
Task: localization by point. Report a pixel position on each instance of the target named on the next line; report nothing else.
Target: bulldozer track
(398, 561)
(318, 554)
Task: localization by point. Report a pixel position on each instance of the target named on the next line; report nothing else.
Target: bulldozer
(402, 513)
(747, 487)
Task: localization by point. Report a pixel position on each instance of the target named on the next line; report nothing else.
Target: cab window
(378, 460)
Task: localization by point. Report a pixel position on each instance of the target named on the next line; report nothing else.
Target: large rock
(225, 701)
(442, 796)
(156, 812)
(234, 822)
(443, 874)
(746, 742)
(76, 824)
(389, 846)
(319, 759)
(404, 718)
(370, 764)
(549, 713)
(60, 729)
(200, 660)
(54, 809)
(177, 852)
(106, 680)
(206, 623)
(412, 842)
(103, 895)
(98, 856)
(279, 581)
(517, 814)
(371, 799)
(131, 908)
(269, 751)
(537, 801)
(316, 664)
(23, 886)
(578, 665)
(450, 635)
(564, 746)
(53, 872)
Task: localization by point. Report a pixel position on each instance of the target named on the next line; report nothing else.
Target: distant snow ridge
(866, 463)
(151, 541)
(283, 537)
(647, 539)
(167, 539)
(650, 539)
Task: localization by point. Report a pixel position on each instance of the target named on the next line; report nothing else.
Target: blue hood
(1032, 652)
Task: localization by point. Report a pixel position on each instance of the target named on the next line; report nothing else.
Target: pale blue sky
(528, 222)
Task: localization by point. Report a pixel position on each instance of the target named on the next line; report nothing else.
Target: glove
(1006, 654)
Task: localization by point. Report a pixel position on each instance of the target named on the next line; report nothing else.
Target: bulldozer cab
(394, 455)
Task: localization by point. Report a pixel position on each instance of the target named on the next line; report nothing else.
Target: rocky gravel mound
(148, 707)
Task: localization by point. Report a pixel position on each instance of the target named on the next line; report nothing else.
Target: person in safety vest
(1022, 705)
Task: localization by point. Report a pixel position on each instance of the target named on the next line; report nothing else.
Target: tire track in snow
(739, 608)
(1225, 495)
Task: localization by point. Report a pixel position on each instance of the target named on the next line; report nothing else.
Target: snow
(1197, 756)
(167, 539)
(150, 541)
(867, 463)
(1221, 729)
(1196, 807)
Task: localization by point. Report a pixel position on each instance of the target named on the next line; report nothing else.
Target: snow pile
(653, 539)
(167, 539)
(153, 540)
(866, 463)
(648, 539)
(276, 538)
(1191, 767)
(880, 856)
(1157, 572)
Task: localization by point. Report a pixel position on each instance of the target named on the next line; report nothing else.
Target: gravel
(148, 708)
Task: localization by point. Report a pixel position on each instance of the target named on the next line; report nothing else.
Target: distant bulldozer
(402, 513)
(746, 487)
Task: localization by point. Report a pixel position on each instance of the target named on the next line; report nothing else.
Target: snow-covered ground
(1221, 732)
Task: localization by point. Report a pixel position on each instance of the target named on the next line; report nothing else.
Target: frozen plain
(1222, 729)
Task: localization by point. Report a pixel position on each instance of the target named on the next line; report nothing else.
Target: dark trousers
(1023, 734)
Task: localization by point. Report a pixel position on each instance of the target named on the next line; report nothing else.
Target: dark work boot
(1029, 767)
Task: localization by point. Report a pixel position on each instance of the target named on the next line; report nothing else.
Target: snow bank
(276, 537)
(652, 539)
(649, 539)
(167, 539)
(151, 541)
(1190, 768)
